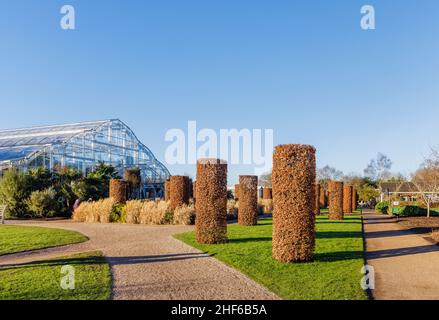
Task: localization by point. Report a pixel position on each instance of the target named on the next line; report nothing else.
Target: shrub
(211, 205)
(133, 209)
(119, 213)
(293, 180)
(98, 211)
(383, 207)
(184, 215)
(148, 212)
(14, 188)
(43, 203)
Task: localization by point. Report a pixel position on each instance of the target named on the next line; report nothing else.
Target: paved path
(147, 263)
(405, 263)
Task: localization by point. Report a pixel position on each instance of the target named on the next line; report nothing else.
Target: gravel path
(405, 263)
(147, 263)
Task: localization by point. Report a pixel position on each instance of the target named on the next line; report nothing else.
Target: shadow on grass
(110, 260)
(338, 234)
(56, 262)
(338, 256)
(246, 240)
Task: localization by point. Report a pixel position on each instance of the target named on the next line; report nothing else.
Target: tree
(379, 168)
(264, 180)
(328, 173)
(15, 187)
(367, 192)
(426, 180)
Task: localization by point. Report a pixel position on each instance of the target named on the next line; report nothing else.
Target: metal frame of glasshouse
(82, 146)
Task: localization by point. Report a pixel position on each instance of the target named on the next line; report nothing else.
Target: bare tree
(328, 173)
(426, 180)
(379, 168)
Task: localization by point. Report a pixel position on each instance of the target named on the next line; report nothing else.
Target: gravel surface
(147, 263)
(405, 263)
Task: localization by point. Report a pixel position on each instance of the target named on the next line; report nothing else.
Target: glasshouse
(82, 146)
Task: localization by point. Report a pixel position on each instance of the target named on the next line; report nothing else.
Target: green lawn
(42, 280)
(15, 239)
(335, 273)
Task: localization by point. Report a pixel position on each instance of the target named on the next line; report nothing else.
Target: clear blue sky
(303, 68)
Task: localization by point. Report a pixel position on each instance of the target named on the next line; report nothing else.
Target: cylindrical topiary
(248, 200)
(347, 199)
(179, 191)
(354, 199)
(268, 193)
(322, 198)
(190, 189)
(294, 175)
(211, 205)
(168, 189)
(118, 190)
(237, 192)
(194, 190)
(317, 199)
(335, 200)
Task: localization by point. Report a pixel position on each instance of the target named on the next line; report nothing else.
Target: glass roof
(19, 143)
(45, 135)
(7, 154)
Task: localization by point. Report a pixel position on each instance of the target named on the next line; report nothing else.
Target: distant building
(82, 146)
(405, 190)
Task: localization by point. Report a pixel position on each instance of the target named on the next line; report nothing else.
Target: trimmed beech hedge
(323, 198)
(168, 189)
(267, 193)
(211, 205)
(179, 190)
(336, 200)
(347, 199)
(118, 190)
(248, 200)
(293, 179)
(354, 199)
(237, 192)
(317, 199)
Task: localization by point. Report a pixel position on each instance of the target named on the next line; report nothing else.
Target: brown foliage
(317, 199)
(347, 199)
(267, 193)
(323, 198)
(294, 175)
(179, 191)
(248, 202)
(354, 199)
(168, 189)
(237, 192)
(335, 200)
(118, 190)
(211, 205)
